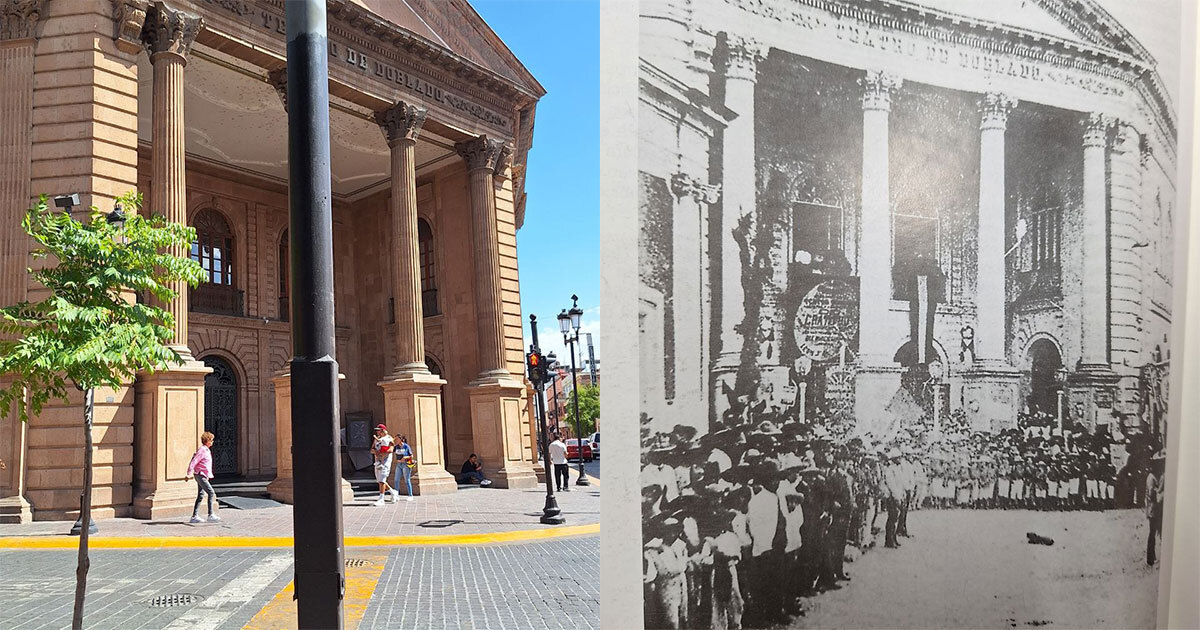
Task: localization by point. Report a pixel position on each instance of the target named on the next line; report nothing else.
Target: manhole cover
(439, 523)
(357, 562)
(174, 599)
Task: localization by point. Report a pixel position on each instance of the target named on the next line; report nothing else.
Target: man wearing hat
(894, 488)
(382, 449)
(841, 499)
(768, 539)
(1154, 504)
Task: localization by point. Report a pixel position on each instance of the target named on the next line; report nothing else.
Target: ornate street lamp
(569, 323)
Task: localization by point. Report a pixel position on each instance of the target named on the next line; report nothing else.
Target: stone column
(1094, 243)
(875, 250)
(739, 192)
(692, 200)
(413, 396)
(169, 404)
(878, 376)
(169, 34)
(17, 40)
(990, 386)
(1092, 388)
(990, 299)
(496, 392)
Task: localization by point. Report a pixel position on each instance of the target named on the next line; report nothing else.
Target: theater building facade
(431, 119)
(971, 200)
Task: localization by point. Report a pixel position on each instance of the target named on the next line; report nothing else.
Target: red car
(573, 450)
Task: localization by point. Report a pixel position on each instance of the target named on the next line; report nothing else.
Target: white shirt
(558, 452)
(384, 460)
(763, 514)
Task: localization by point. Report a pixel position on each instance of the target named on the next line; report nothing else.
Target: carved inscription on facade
(349, 56)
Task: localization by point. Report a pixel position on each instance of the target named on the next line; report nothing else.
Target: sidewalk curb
(21, 543)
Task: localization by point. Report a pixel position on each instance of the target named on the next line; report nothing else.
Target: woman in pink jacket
(201, 466)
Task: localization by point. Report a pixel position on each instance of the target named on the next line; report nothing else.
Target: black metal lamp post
(568, 323)
(317, 514)
(552, 364)
(551, 514)
(115, 218)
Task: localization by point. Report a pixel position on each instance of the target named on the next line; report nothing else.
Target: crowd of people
(743, 523)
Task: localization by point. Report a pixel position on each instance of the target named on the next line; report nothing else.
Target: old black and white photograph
(905, 311)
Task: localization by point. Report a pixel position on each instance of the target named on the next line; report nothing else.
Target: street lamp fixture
(66, 202)
(569, 323)
(117, 217)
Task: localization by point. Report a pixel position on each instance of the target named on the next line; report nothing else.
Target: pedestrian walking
(383, 448)
(406, 463)
(1154, 506)
(201, 467)
(558, 458)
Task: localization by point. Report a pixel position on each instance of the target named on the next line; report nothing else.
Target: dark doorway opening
(221, 414)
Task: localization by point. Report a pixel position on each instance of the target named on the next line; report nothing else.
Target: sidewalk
(471, 513)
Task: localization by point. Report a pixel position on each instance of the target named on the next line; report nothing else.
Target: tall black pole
(551, 515)
(317, 511)
(583, 480)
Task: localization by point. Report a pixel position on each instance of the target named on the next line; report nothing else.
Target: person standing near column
(405, 463)
(558, 457)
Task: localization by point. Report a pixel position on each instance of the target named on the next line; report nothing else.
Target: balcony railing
(218, 300)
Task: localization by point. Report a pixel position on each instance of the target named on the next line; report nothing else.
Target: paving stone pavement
(551, 584)
(468, 511)
(555, 584)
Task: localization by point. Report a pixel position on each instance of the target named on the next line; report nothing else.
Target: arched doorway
(220, 414)
(1044, 386)
(437, 371)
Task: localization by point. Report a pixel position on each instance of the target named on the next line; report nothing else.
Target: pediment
(455, 26)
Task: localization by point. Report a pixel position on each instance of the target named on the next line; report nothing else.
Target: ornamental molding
(19, 18)
(278, 80)
(878, 87)
(742, 57)
(995, 108)
(482, 152)
(401, 121)
(1096, 129)
(684, 185)
(129, 18)
(170, 30)
(1145, 152)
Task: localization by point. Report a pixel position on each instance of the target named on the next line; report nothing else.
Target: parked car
(573, 450)
(596, 444)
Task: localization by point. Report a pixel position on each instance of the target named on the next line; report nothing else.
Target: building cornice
(1098, 56)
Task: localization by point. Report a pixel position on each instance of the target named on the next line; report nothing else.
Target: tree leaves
(89, 330)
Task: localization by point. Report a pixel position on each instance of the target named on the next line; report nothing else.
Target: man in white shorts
(383, 448)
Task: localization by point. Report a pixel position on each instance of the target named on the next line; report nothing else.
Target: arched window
(429, 302)
(285, 278)
(213, 249)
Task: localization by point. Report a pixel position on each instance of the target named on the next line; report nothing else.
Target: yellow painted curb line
(280, 612)
(210, 542)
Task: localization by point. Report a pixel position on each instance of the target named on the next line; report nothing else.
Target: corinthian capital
(401, 121)
(129, 18)
(19, 18)
(481, 152)
(995, 108)
(1096, 128)
(170, 30)
(684, 185)
(744, 55)
(878, 87)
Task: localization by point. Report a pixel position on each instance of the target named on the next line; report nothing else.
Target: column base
(413, 408)
(496, 430)
(281, 489)
(990, 396)
(874, 388)
(168, 421)
(1091, 393)
(15, 510)
(175, 500)
(539, 471)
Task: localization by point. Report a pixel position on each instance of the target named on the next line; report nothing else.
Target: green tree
(589, 408)
(88, 331)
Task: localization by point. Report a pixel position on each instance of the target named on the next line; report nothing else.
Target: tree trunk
(85, 512)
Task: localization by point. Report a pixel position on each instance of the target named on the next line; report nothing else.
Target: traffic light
(535, 363)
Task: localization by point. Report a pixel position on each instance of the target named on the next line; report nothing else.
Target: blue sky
(559, 245)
